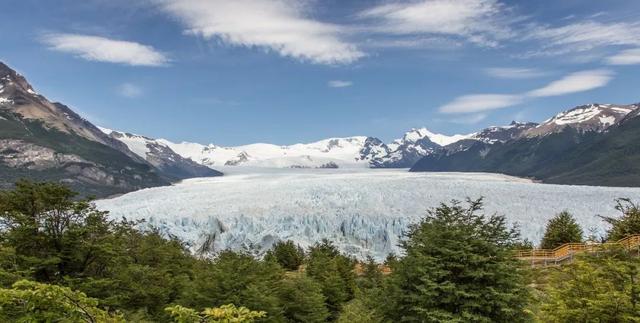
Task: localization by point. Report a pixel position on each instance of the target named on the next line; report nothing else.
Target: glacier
(364, 212)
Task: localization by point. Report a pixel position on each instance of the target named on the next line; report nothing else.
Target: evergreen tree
(561, 229)
(371, 276)
(335, 274)
(286, 253)
(628, 224)
(239, 279)
(302, 300)
(458, 267)
(601, 287)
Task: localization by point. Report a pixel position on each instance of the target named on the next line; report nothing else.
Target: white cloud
(129, 90)
(478, 21)
(480, 102)
(281, 26)
(576, 82)
(572, 83)
(94, 48)
(514, 73)
(583, 36)
(339, 83)
(626, 57)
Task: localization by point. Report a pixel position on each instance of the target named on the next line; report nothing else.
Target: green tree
(561, 229)
(357, 311)
(224, 314)
(10, 271)
(371, 276)
(603, 287)
(286, 253)
(626, 225)
(302, 299)
(143, 272)
(52, 234)
(458, 267)
(335, 274)
(30, 301)
(236, 278)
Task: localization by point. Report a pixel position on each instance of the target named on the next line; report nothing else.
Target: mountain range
(597, 144)
(593, 144)
(47, 141)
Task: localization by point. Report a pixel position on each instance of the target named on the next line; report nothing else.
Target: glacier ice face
(363, 211)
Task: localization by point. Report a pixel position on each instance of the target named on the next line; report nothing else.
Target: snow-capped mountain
(592, 117)
(343, 152)
(492, 135)
(414, 135)
(47, 141)
(497, 134)
(414, 145)
(590, 145)
(161, 156)
(349, 152)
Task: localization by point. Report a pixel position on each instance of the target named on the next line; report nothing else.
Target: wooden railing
(542, 257)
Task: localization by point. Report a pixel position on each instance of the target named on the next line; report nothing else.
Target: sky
(289, 71)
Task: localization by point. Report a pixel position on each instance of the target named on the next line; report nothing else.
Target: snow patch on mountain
(416, 134)
(345, 152)
(136, 143)
(592, 117)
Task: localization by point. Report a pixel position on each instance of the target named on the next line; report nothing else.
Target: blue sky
(287, 71)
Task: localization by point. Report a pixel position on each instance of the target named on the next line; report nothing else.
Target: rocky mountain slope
(405, 152)
(593, 117)
(592, 145)
(42, 140)
(161, 156)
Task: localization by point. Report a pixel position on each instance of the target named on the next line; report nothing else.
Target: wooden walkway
(565, 252)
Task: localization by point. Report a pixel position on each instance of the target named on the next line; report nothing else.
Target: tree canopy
(625, 225)
(458, 267)
(561, 229)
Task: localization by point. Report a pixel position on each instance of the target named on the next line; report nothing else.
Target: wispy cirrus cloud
(576, 82)
(101, 49)
(514, 73)
(626, 57)
(339, 83)
(478, 21)
(279, 26)
(582, 36)
(572, 83)
(480, 102)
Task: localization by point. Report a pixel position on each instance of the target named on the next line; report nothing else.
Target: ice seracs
(363, 211)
